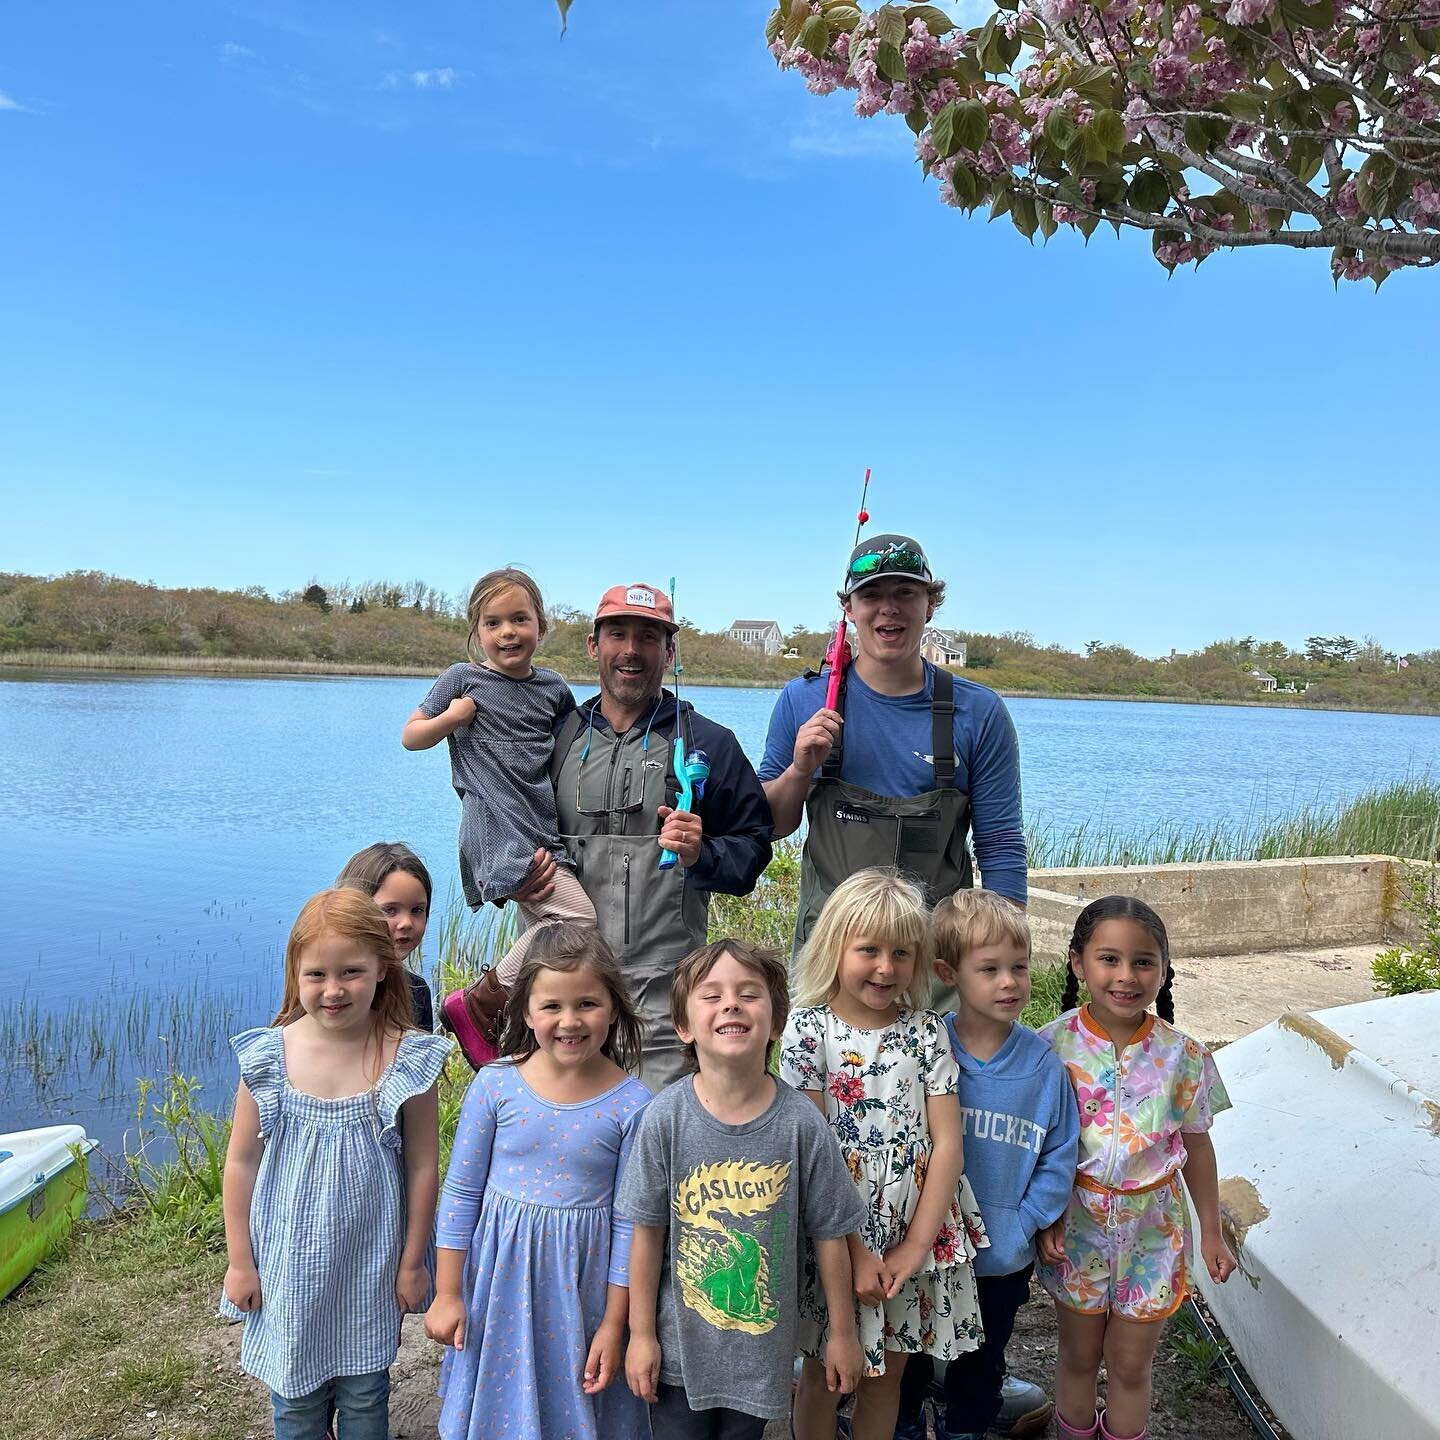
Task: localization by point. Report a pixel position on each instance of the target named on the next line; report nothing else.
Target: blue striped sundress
(327, 1220)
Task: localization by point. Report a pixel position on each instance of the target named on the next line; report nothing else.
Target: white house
(761, 635)
(943, 647)
(1265, 680)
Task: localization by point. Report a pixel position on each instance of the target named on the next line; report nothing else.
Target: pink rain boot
(1107, 1434)
(1067, 1431)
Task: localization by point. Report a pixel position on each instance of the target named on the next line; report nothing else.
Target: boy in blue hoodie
(1021, 1129)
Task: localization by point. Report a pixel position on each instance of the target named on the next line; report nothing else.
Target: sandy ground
(1187, 1407)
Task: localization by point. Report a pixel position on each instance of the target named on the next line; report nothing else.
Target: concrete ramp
(1330, 1183)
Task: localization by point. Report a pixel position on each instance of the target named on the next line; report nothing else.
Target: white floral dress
(875, 1084)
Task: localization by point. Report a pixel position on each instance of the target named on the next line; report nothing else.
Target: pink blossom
(1417, 107)
(1248, 12)
(1425, 204)
(1008, 139)
(1064, 215)
(1186, 33)
(900, 101)
(1058, 12)
(922, 51)
(1342, 116)
(1368, 40)
(1169, 76)
(1135, 114)
(1347, 202)
(1241, 134)
(943, 93)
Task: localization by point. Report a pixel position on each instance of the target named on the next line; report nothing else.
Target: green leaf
(1059, 129)
(796, 14)
(1023, 215)
(1077, 153)
(1109, 131)
(564, 7)
(1372, 185)
(815, 36)
(972, 123)
(772, 25)
(1067, 192)
(937, 22)
(1086, 225)
(942, 131)
(890, 61)
(1000, 205)
(1197, 135)
(966, 186)
(1243, 105)
(890, 26)
(1138, 74)
(917, 118)
(843, 18)
(1150, 191)
(1045, 216)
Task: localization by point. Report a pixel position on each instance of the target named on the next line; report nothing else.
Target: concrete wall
(1229, 907)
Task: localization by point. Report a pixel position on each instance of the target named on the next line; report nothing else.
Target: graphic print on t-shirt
(729, 1242)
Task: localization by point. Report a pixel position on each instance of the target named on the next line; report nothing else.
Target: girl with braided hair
(1116, 1263)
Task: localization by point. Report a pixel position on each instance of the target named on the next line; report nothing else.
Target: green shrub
(1406, 968)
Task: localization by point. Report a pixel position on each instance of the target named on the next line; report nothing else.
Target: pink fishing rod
(839, 652)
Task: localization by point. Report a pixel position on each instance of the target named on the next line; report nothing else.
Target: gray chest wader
(925, 835)
(608, 788)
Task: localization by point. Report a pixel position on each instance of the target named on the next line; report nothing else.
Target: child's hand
(901, 1263)
(844, 1363)
(445, 1321)
(412, 1285)
(1219, 1260)
(242, 1287)
(642, 1368)
(604, 1358)
(871, 1277)
(460, 712)
(1051, 1243)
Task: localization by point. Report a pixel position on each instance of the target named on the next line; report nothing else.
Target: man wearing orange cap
(615, 794)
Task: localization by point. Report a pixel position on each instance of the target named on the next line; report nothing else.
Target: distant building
(943, 647)
(761, 635)
(1265, 680)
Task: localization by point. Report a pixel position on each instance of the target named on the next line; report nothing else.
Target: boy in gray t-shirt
(739, 1169)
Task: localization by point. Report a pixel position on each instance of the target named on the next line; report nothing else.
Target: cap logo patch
(636, 595)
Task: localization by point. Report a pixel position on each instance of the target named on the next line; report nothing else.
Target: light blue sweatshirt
(1021, 1131)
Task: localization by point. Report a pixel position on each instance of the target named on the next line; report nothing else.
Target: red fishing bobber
(864, 517)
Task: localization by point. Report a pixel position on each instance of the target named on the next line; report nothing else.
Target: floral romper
(875, 1084)
(1127, 1229)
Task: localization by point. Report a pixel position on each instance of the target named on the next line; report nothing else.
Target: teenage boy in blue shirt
(1021, 1129)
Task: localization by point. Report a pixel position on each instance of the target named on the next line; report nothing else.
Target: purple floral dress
(875, 1084)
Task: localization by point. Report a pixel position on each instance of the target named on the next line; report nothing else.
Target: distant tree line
(413, 625)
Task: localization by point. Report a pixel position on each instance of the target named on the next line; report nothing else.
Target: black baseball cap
(885, 555)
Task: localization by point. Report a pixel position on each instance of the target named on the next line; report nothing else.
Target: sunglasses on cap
(897, 558)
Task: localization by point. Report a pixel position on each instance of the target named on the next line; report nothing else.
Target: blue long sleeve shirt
(1021, 1131)
(888, 740)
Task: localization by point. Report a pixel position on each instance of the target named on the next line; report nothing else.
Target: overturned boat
(1330, 1192)
(42, 1193)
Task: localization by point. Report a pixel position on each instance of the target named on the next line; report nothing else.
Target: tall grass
(1401, 819)
(195, 664)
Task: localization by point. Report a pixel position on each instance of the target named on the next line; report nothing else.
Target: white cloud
(845, 136)
(231, 51)
(446, 77)
(6, 103)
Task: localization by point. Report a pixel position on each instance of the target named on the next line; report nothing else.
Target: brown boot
(485, 1000)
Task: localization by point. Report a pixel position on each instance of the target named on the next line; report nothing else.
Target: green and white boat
(42, 1193)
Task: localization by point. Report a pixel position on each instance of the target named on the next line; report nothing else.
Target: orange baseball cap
(645, 602)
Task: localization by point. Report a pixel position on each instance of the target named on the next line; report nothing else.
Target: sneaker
(1025, 1409)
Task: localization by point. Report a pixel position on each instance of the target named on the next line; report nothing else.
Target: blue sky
(297, 290)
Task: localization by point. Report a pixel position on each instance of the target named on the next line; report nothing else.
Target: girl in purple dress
(532, 1274)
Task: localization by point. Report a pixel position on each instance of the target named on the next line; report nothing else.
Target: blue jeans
(362, 1409)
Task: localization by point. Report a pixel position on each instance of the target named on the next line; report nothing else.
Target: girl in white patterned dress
(881, 1070)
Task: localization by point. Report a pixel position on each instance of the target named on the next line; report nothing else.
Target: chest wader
(608, 788)
(852, 829)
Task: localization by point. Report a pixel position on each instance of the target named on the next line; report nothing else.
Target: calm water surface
(158, 836)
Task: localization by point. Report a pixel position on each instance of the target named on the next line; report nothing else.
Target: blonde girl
(1116, 1263)
(880, 1068)
(331, 1174)
(532, 1277)
(498, 713)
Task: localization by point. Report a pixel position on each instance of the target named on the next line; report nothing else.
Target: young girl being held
(882, 1072)
(532, 1281)
(1116, 1263)
(331, 1175)
(498, 715)
(395, 877)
